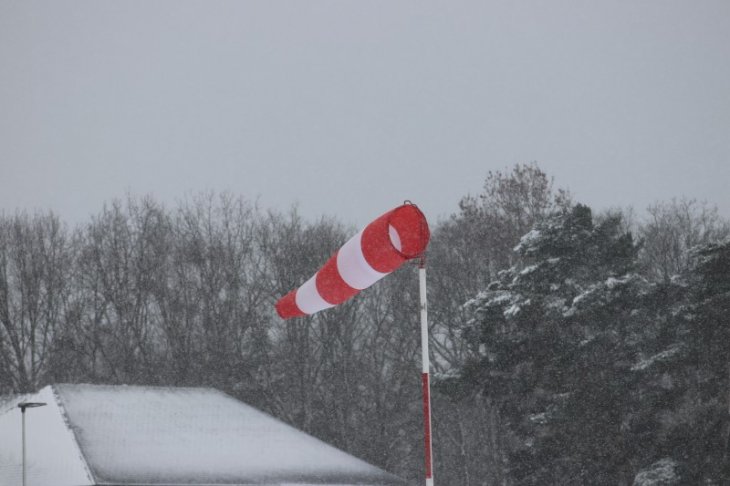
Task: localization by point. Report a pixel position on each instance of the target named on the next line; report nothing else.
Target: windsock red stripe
(287, 306)
(383, 246)
(330, 284)
(378, 248)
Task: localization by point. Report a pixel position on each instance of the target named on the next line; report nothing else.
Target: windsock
(379, 249)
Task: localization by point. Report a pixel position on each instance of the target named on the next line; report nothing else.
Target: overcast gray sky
(350, 107)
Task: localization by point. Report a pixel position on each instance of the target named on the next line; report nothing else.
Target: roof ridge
(64, 418)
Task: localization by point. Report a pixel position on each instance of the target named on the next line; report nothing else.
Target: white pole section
(425, 380)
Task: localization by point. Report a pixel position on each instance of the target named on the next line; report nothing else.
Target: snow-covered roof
(135, 435)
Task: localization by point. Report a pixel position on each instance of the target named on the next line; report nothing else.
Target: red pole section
(380, 248)
(427, 427)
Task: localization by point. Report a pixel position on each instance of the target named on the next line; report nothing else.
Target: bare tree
(212, 298)
(469, 249)
(34, 261)
(510, 204)
(122, 252)
(671, 229)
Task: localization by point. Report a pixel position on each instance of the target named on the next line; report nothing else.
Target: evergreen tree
(551, 332)
(683, 382)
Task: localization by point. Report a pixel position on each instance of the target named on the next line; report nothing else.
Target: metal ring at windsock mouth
(396, 236)
(414, 226)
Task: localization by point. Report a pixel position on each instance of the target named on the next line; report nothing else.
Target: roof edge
(64, 417)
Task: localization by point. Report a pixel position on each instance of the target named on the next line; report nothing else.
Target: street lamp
(22, 406)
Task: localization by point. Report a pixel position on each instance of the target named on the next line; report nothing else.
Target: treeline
(570, 348)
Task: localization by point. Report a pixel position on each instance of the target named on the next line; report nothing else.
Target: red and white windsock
(380, 248)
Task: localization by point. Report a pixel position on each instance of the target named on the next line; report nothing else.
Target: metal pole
(425, 378)
(23, 412)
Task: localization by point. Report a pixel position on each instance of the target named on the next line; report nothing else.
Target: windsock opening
(393, 238)
(408, 231)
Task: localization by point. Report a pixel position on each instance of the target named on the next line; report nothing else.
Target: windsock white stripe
(352, 266)
(309, 300)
